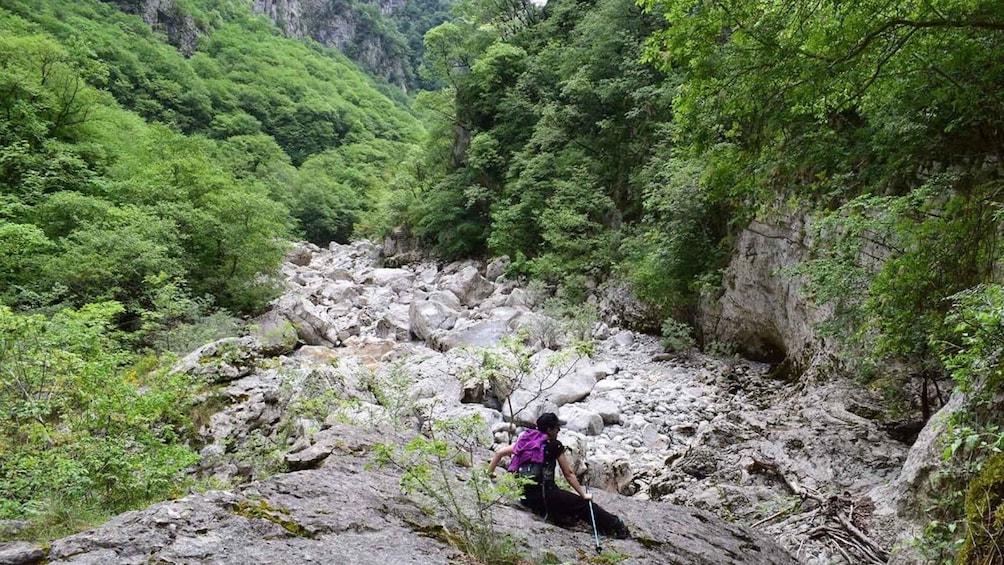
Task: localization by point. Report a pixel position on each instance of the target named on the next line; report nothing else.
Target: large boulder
(497, 268)
(223, 360)
(572, 387)
(21, 553)
(480, 334)
(469, 286)
(582, 420)
(397, 279)
(395, 323)
(430, 316)
(620, 307)
(340, 291)
(312, 325)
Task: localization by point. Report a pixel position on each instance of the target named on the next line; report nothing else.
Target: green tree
(79, 433)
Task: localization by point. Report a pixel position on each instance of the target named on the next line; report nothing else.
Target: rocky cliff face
(763, 311)
(341, 25)
(287, 15)
(165, 16)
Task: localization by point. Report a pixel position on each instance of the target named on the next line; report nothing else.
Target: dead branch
(773, 516)
(867, 541)
(844, 535)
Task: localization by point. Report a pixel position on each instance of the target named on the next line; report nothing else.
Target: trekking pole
(596, 534)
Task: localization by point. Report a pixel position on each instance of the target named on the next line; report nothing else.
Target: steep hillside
(147, 196)
(383, 36)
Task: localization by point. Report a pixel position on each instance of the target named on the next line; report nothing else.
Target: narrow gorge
(355, 354)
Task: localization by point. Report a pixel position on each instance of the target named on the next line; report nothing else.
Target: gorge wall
(339, 24)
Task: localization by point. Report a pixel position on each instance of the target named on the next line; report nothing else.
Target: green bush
(81, 434)
(439, 469)
(970, 487)
(677, 336)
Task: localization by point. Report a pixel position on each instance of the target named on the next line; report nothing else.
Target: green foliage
(970, 482)
(81, 436)
(177, 323)
(677, 336)
(466, 496)
(678, 239)
(810, 89)
(390, 390)
(985, 515)
(104, 186)
(576, 320)
(146, 196)
(545, 134)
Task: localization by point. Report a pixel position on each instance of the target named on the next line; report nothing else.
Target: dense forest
(147, 199)
(148, 195)
(635, 140)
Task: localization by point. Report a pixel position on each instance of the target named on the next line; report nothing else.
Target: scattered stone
(681, 429)
(301, 255)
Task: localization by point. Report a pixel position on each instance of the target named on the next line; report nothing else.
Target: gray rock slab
(20, 553)
(482, 334)
(348, 512)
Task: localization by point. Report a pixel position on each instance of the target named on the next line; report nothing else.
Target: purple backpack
(529, 448)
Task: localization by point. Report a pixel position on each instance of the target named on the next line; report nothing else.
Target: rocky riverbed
(669, 441)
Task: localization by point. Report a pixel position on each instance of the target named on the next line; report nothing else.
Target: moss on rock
(985, 516)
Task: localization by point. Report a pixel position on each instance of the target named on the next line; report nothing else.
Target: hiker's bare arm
(504, 452)
(573, 481)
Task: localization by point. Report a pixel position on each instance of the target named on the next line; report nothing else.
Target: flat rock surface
(345, 513)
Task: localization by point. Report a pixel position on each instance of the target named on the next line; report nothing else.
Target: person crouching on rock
(534, 456)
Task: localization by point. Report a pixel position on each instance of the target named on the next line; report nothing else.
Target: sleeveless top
(544, 472)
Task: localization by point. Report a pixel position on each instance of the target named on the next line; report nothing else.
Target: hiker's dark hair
(548, 420)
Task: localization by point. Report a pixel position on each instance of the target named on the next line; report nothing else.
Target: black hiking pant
(565, 508)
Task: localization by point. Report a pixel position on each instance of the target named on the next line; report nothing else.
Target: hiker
(534, 456)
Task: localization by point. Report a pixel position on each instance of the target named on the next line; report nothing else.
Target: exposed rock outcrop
(287, 15)
(762, 310)
(165, 16)
(340, 25)
(345, 512)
